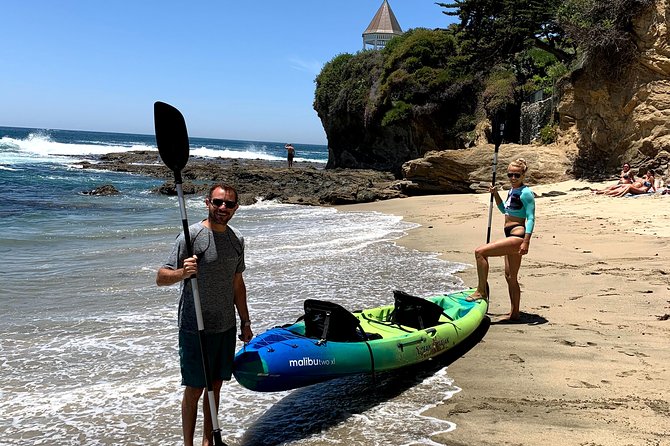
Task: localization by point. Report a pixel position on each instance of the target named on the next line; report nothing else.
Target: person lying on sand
(639, 187)
(626, 177)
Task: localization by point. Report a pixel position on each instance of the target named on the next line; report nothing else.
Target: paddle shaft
(498, 139)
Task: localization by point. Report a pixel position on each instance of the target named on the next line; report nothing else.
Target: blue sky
(237, 70)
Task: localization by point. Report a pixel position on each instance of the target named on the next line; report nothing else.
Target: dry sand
(589, 364)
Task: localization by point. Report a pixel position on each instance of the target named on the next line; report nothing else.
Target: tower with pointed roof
(383, 27)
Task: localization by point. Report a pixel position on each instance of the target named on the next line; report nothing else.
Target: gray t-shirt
(220, 256)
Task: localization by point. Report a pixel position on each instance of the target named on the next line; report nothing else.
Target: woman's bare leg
(512, 265)
(620, 191)
(497, 248)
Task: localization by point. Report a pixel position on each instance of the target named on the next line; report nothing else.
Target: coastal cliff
(603, 117)
(380, 109)
(626, 118)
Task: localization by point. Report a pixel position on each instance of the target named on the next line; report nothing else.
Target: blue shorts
(220, 349)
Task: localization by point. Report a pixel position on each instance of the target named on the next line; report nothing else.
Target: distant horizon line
(152, 134)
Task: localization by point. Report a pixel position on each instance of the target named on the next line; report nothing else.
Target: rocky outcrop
(104, 190)
(627, 119)
(470, 170)
(382, 108)
(256, 179)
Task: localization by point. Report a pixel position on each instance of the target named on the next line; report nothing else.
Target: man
(218, 261)
(290, 154)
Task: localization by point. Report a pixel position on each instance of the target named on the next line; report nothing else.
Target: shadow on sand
(309, 410)
(524, 319)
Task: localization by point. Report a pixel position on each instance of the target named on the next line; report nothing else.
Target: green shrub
(401, 111)
(499, 91)
(548, 134)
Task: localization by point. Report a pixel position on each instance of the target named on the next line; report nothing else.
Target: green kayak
(330, 342)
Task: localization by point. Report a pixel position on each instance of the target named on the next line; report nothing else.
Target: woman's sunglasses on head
(513, 175)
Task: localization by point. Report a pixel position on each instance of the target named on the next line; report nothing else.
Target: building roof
(384, 21)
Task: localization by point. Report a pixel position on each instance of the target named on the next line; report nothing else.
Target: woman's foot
(510, 318)
(476, 296)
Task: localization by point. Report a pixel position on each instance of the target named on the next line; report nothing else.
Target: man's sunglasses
(218, 202)
(513, 175)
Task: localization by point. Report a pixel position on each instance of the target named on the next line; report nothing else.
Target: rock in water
(106, 189)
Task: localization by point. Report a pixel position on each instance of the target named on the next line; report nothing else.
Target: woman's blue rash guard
(520, 203)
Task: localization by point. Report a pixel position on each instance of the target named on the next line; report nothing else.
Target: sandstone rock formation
(470, 170)
(627, 119)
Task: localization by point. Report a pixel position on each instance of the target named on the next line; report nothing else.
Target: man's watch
(246, 323)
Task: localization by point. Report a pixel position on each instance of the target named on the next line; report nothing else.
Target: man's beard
(219, 219)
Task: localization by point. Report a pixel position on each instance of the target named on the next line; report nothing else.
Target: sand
(589, 363)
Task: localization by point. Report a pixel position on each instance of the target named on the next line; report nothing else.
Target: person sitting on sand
(519, 210)
(639, 187)
(626, 177)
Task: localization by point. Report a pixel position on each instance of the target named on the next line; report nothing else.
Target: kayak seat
(329, 321)
(415, 312)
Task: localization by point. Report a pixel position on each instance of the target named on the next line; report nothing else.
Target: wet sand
(589, 362)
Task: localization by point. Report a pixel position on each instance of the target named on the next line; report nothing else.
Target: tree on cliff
(596, 32)
(493, 30)
(602, 28)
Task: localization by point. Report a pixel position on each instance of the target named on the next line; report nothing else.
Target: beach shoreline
(588, 364)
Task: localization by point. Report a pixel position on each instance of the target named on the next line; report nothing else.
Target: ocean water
(88, 342)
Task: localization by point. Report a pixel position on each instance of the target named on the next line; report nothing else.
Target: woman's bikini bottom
(509, 229)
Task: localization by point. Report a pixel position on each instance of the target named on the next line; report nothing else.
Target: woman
(639, 187)
(626, 177)
(519, 210)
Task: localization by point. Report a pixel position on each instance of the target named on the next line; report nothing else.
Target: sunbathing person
(626, 177)
(639, 187)
(651, 179)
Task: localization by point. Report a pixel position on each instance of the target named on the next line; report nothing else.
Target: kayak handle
(402, 345)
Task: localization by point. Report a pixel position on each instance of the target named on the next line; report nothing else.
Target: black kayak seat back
(331, 322)
(415, 312)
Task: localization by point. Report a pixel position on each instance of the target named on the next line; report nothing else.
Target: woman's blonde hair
(520, 163)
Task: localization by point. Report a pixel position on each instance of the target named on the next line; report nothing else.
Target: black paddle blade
(171, 136)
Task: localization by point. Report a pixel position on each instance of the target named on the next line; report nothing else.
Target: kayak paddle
(173, 147)
(498, 131)
(498, 127)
